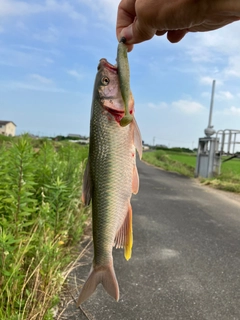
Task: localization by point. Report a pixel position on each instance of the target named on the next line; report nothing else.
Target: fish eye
(105, 81)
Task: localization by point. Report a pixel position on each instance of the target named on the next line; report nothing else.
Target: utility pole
(208, 160)
(209, 131)
(153, 141)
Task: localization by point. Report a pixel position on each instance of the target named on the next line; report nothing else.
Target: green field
(184, 163)
(41, 223)
(230, 167)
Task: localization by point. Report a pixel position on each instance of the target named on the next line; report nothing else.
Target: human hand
(140, 20)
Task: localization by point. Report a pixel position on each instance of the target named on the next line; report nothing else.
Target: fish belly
(111, 167)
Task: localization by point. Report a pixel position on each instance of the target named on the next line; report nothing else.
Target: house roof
(3, 122)
(74, 135)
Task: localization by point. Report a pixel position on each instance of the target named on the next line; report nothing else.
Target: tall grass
(41, 219)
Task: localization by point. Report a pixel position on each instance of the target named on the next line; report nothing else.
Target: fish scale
(107, 158)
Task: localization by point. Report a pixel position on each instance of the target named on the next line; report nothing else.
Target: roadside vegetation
(184, 163)
(41, 222)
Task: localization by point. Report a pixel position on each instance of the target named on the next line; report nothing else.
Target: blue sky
(49, 52)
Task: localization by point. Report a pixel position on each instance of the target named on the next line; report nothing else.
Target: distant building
(78, 138)
(145, 147)
(72, 135)
(7, 128)
(81, 141)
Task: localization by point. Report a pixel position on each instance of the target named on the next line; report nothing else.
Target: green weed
(166, 161)
(184, 163)
(41, 219)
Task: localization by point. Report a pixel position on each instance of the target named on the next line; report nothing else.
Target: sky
(49, 53)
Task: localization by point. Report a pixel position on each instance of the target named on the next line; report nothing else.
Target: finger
(137, 32)
(176, 35)
(160, 33)
(125, 15)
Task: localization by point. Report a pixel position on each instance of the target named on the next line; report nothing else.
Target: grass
(41, 221)
(184, 163)
(229, 179)
(171, 161)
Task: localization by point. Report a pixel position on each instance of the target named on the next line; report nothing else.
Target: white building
(7, 128)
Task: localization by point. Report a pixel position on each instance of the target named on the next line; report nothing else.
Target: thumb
(137, 32)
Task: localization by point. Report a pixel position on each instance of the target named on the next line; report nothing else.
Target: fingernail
(127, 33)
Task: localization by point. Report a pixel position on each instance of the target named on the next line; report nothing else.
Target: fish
(110, 178)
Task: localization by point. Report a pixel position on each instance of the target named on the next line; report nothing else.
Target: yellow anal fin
(124, 237)
(129, 235)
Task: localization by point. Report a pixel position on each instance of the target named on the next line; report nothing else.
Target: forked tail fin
(104, 275)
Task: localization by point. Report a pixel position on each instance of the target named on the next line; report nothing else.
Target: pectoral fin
(124, 237)
(87, 186)
(135, 180)
(137, 138)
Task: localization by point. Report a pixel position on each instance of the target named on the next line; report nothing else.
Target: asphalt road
(186, 256)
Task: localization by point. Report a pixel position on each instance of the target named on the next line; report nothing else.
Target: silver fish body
(110, 178)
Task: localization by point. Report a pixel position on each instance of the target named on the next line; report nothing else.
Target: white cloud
(204, 45)
(205, 94)
(41, 79)
(199, 53)
(11, 57)
(64, 7)
(48, 60)
(157, 106)
(233, 67)
(206, 80)
(32, 48)
(224, 95)
(233, 111)
(105, 10)
(26, 56)
(75, 74)
(222, 40)
(15, 85)
(219, 95)
(217, 52)
(12, 8)
(18, 8)
(188, 106)
(50, 35)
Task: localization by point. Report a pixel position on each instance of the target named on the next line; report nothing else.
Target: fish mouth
(117, 114)
(105, 64)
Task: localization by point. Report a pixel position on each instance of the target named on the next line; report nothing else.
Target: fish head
(107, 89)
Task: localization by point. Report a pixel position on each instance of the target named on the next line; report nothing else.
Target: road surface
(186, 256)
